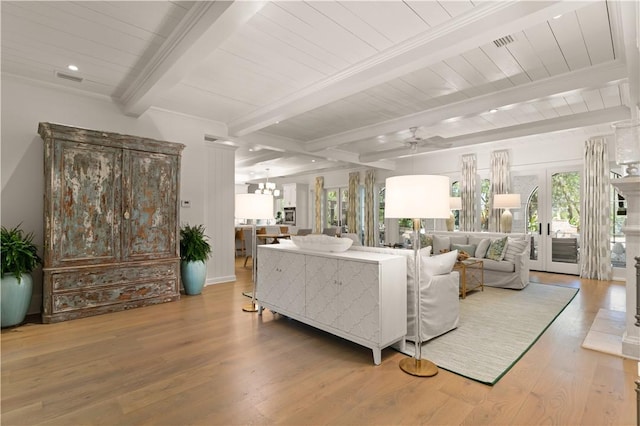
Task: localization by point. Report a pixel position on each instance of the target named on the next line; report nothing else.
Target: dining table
(274, 237)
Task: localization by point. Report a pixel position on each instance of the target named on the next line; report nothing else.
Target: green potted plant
(19, 259)
(194, 252)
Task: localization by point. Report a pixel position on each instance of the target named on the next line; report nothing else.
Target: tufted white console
(361, 297)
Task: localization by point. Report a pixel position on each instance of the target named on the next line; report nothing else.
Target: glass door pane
(563, 230)
(331, 212)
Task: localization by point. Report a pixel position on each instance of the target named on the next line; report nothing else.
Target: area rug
(497, 327)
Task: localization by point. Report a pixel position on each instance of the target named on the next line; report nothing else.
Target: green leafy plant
(194, 246)
(19, 253)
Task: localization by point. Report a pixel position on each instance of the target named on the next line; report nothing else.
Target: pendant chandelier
(268, 188)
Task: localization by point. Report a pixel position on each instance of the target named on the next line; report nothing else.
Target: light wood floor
(202, 360)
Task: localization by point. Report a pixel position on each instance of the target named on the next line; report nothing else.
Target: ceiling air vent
(69, 77)
(210, 138)
(503, 41)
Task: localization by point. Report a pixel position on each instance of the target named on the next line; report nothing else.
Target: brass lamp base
(251, 307)
(418, 367)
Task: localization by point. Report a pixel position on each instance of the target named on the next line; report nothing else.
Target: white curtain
(319, 190)
(595, 254)
(352, 203)
(370, 232)
(468, 193)
(500, 184)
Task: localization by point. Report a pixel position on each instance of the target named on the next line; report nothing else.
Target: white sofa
(440, 304)
(510, 272)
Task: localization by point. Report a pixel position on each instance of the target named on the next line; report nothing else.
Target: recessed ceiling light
(493, 110)
(557, 17)
(277, 122)
(313, 161)
(72, 67)
(250, 149)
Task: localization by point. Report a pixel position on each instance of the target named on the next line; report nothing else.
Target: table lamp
(506, 202)
(627, 137)
(417, 197)
(455, 203)
(254, 207)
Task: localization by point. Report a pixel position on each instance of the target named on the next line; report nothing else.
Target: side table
(471, 275)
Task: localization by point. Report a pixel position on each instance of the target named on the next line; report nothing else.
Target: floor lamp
(254, 207)
(506, 202)
(417, 197)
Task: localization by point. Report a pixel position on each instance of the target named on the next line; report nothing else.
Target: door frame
(544, 237)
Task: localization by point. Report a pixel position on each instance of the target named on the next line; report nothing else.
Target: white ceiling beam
(520, 130)
(285, 145)
(483, 24)
(593, 77)
(629, 14)
(203, 29)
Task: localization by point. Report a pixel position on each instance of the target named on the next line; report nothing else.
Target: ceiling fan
(414, 141)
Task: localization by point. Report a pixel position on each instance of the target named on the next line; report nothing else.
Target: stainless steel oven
(289, 216)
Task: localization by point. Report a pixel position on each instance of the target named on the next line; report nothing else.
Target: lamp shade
(417, 197)
(627, 136)
(254, 206)
(455, 203)
(506, 201)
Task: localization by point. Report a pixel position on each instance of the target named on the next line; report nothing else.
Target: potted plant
(194, 251)
(19, 259)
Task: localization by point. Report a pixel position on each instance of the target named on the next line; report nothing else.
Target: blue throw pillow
(470, 249)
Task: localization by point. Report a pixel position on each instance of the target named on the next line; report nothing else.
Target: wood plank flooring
(202, 360)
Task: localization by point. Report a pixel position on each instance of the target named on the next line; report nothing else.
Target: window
(455, 192)
(617, 237)
(336, 207)
(485, 194)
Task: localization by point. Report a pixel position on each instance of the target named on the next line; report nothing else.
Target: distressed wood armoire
(111, 225)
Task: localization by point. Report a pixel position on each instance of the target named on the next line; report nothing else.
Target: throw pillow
(514, 247)
(470, 249)
(497, 249)
(426, 240)
(440, 264)
(441, 242)
(483, 246)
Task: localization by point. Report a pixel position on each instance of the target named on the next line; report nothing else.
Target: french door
(552, 218)
(336, 207)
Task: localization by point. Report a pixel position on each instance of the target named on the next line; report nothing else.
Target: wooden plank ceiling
(309, 86)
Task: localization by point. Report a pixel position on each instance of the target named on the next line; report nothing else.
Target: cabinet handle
(126, 215)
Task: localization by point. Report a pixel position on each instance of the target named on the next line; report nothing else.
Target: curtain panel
(370, 234)
(595, 254)
(468, 193)
(500, 184)
(319, 191)
(352, 203)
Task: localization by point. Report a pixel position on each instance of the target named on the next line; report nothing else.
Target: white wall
(25, 104)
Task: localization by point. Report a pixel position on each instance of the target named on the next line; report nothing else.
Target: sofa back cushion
(441, 243)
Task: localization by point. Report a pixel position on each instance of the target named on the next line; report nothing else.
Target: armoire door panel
(89, 177)
(150, 206)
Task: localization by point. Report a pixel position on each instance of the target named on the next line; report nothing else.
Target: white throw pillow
(514, 247)
(440, 264)
(483, 246)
